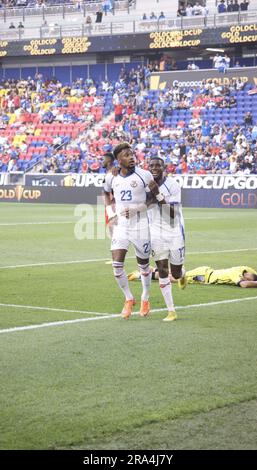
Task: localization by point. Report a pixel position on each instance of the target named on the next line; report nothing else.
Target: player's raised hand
(128, 212)
(154, 188)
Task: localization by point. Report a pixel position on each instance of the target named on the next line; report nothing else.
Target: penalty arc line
(103, 316)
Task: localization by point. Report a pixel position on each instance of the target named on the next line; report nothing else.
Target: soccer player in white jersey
(129, 189)
(167, 231)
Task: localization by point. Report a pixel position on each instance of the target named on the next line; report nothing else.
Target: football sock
(166, 290)
(146, 278)
(121, 279)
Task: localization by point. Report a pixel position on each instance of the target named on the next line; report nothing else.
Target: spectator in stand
(162, 64)
(244, 5)
(236, 6)
(192, 66)
(205, 149)
(217, 61)
(181, 10)
(189, 9)
(230, 6)
(12, 26)
(118, 110)
(88, 24)
(197, 9)
(222, 7)
(248, 118)
(153, 16)
(99, 16)
(161, 16)
(144, 17)
(227, 61)
(232, 102)
(107, 6)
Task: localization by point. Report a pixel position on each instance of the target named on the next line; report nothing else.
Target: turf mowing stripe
(14, 224)
(111, 315)
(56, 263)
(219, 251)
(56, 222)
(56, 323)
(53, 263)
(207, 304)
(59, 222)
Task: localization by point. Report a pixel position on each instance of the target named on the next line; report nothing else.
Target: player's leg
(177, 257)
(198, 275)
(119, 249)
(136, 276)
(166, 286)
(142, 246)
(109, 231)
(146, 278)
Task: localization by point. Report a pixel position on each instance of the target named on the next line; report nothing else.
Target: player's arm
(108, 205)
(247, 284)
(107, 188)
(133, 209)
(155, 191)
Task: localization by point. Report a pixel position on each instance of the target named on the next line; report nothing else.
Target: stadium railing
(123, 25)
(8, 14)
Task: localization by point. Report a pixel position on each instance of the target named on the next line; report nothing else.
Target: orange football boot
(145, 308)
(128, 308)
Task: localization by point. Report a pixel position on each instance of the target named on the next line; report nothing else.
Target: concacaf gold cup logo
(19, 193)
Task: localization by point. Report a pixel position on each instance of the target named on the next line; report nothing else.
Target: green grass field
(104, 383)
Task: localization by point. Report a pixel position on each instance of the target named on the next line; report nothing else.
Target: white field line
(53, 263)
(59, 222)
(106, 316)
(56, 263)
(56, 222)
(51, 309)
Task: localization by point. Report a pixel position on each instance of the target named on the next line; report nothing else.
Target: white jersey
(129, 192)
(162, 227)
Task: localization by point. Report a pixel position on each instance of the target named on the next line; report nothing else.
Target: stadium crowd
(46, 126)
(106, 4)
(230, 6)
(192, 9)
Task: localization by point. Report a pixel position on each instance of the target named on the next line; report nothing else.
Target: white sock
(121, 279)
(146, 278)
(183, 271)
(166, 290)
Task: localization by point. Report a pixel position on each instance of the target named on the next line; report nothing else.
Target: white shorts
(123, 237)
(173, 250)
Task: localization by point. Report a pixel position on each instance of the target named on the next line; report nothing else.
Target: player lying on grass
(241, 276)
